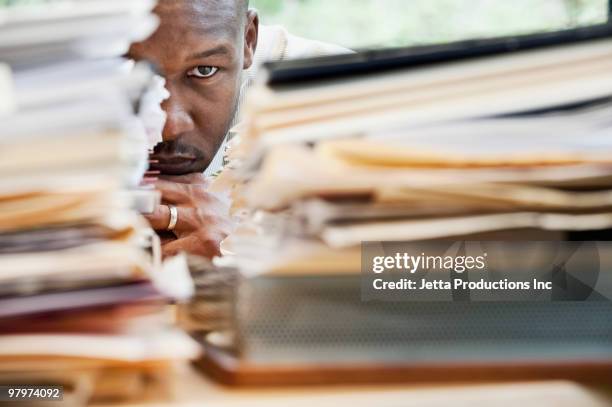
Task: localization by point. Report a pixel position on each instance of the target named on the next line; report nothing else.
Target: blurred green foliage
(5, 3)
(375, 23)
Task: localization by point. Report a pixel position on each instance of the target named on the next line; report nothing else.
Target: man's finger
(176, 247)
(190, 245)
(185, 194)
(160, 219)
(172, 192)
(195, 178)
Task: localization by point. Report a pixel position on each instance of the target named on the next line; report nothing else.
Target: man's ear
(251, 33)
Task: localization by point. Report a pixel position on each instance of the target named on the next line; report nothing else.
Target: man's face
(201, 48)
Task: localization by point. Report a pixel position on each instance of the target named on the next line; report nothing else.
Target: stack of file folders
(81, 303)
(502, 139)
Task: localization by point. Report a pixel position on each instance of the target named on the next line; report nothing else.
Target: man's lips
(174, 159)
(171, 164)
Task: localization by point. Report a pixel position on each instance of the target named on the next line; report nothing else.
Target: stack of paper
(511, 140)
(81, 304)
(496, 140)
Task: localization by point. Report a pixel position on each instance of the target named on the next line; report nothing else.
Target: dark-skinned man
(208, 51)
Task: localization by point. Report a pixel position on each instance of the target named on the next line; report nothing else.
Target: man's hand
(203, 217)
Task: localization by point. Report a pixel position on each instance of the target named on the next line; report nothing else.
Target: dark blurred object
(364, 63)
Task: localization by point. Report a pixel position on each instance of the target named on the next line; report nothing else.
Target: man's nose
(178, 119)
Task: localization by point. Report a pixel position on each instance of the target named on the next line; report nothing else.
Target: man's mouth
(174, 164)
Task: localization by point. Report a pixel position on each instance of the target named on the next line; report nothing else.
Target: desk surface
(193, 390)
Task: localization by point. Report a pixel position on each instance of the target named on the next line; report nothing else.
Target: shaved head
(227, 12)
(202, 48)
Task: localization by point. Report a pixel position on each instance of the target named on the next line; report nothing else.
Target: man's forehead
(201, 17)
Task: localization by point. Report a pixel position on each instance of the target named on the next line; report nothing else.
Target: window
(387, 23)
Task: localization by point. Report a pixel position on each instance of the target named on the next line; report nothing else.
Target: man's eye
(202, 71)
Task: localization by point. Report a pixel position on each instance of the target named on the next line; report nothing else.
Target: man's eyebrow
(218, 50)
